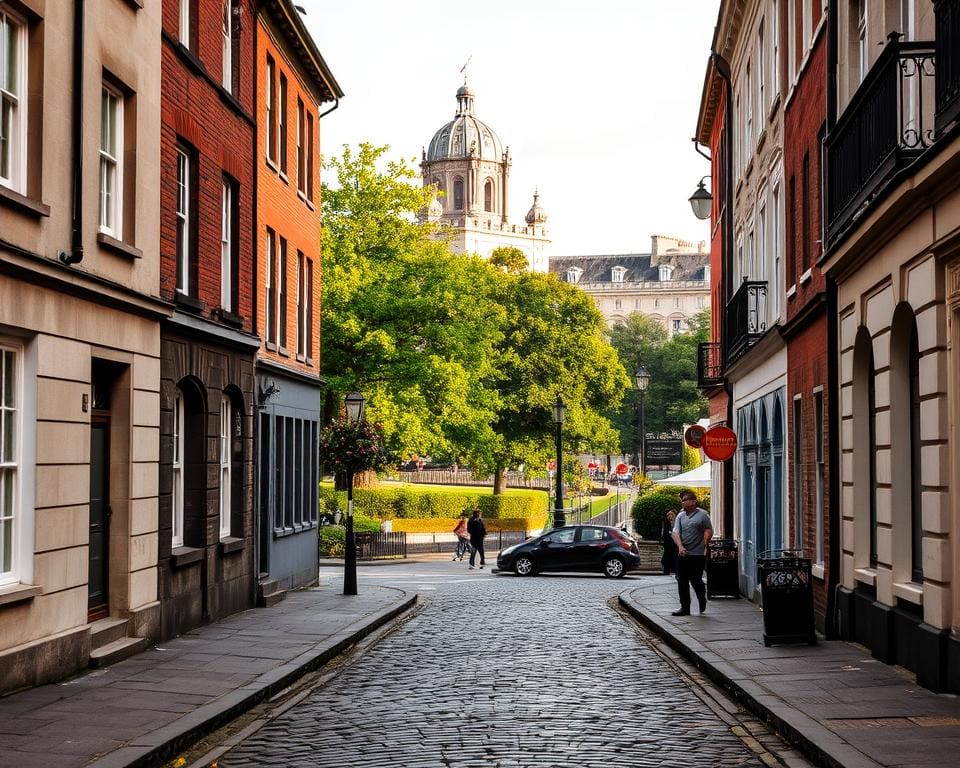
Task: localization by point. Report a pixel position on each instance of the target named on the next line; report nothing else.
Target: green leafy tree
(509, 258)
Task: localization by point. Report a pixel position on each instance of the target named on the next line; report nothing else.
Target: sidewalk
(143, 710)
(836, 703)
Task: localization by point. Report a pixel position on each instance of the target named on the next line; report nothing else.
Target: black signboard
(664, 452)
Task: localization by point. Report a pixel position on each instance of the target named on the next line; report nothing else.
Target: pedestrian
(669, 559)
(463, 543)
(692, 531)
(477, 531)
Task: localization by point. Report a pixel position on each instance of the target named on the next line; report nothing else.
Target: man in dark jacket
(477, 531)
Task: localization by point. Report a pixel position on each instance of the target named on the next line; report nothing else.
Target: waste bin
(786, 589)
(723, 569)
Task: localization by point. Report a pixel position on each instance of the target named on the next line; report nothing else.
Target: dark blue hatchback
(594, 548)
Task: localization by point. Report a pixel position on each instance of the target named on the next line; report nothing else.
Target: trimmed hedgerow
(650, 508)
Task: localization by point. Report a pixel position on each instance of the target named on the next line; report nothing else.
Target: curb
(162, 744)
(817, 742)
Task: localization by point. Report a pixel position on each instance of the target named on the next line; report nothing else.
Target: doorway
(98, 582)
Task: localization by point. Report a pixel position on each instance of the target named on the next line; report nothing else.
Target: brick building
(207, 346)
(293, 81)
(811, 357)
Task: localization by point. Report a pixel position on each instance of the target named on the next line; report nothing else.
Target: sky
(597, 100)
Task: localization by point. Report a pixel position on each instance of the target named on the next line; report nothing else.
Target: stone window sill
(910, 592)
(19, 593)
(22, 203)
(182, 556)
(119, 247)
(817, 571)
(806, 276)
(231, 544)
(866, 576)
(191, 303)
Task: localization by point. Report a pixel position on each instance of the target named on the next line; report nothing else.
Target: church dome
(536, 214)
(465, 135)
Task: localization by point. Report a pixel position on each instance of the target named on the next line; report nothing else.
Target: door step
(105, 631)
(117, 650)
(269, 593)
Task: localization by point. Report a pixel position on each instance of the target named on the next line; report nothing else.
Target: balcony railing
(746, 317)
(886, 126)
(948, 62)
(709, 365)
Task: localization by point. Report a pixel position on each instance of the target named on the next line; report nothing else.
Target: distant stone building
(470, 168)
(670, 284)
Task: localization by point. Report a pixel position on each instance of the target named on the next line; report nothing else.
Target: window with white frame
(761, 77)
(301, 155)
(226, 34)
(573, 274)
(226, 419)
(271, 109)
(184, 224)
(176, 491)
(820, 468)
(282, 310)
(807, 24)
(10, 452)
(617, 274)
(13, 114)
(907, 20)
(666, 272)
(791, 43)
(861, 40)
(301, 305)
(227, 275)
(748, 111)
(761, 240)
(618, 303)
(677, 302)
(271, 302)
(111, 162)
(774, 17)
(776, 250)
(677, 325)
(186, 10)
(737, 137)
(282, 120)
(309, 303)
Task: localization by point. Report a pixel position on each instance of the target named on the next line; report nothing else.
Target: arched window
(916, 487)
(176, 491)
(864, 461)
(458, 193)
(488, 195)
(226, 426)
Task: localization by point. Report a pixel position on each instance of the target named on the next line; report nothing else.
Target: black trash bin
(786, 589)
(723, 569)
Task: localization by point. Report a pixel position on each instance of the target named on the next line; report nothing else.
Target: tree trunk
(366, 479)
(499, 480)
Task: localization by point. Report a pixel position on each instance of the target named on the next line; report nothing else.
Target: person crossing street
(477, 531)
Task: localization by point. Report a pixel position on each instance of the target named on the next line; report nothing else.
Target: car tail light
(627, 543)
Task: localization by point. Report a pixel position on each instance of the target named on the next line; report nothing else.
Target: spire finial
(463, 69)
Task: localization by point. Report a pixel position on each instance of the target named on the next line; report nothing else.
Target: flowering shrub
(349, 447)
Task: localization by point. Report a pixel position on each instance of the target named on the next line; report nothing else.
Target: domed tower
(469, 166)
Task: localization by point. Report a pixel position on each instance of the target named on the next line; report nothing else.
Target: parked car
(595, 548)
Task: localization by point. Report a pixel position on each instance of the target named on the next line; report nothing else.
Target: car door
(590, 547)
(555, 551)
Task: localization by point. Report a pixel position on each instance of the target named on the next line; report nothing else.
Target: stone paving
(502, 671)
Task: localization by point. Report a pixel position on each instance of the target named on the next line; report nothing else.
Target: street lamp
(641, 380)
(701, 201)
(559, 414)
(354, 406)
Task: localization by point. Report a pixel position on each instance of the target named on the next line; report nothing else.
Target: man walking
(692, 532)
(477, 531)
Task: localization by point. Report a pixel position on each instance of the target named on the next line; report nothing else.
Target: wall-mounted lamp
(701, 201)
(267, 390)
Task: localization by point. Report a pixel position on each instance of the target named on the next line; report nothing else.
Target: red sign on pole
(694, 436)
(720, 443)
(622, 469)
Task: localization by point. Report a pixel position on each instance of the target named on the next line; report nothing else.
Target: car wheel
(523, 566)
(613, 567)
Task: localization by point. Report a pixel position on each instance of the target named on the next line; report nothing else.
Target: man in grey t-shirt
(692, 531)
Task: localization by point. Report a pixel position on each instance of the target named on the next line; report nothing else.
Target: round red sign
(720, 443)
(694, 436)
(622, 469)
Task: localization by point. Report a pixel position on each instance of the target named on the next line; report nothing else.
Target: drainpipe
(726, 270)
(75, 255)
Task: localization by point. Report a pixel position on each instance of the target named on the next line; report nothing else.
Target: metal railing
(886, 126)
(948, 62)
(381, 546)
(746, 317)
(466, 477)
(709, 364)
(614, 515)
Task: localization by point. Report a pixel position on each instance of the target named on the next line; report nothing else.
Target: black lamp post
(354, 406)
(701, 201)
(641, 380)
(559, 414)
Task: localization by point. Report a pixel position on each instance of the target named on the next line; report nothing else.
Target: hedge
(415, 502)
(650, 509)
(446, 524)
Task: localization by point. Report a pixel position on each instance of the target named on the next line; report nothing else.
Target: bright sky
(597, 100)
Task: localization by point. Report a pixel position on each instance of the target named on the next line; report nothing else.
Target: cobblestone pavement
(498, 671)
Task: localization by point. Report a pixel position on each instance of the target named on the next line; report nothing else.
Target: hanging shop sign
(720, 443)
(694, 436)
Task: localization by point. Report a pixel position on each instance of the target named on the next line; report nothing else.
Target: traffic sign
(622, 469)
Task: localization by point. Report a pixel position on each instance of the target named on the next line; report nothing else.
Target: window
(111, 165)
(805, 234)
(819, 458)
(573, 274)
(617, 274)
(13, 122)
(872, 457)
(186, 12)
(748, 110)
(907, 24)
(677, 302)
(229, 251)
(309, 303)
(301, 159)
(282, 324)
(288, 471)
(9, 463)
(861, 40)
(310, 156)
(701, 302)
(761, 78)
(618, 303)
(774, 229)
(176, 492)
(775, 42)
(271, 286)
(792, 234)
(301, 305)
(791, 42)
(282, 118)
(271, 107)
(458, 193)
(184, 223)
(278, 469)
(488, 195)
(807, 23)
(916, 460)
(798, 470)
(666, 272)
(226, 34)
(225, 422)
(677, 325)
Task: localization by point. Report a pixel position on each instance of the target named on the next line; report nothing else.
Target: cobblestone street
(501, 671)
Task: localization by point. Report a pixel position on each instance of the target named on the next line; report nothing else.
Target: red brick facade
(806, 329)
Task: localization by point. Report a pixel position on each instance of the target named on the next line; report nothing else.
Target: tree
(404, 320)
(509, 258)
